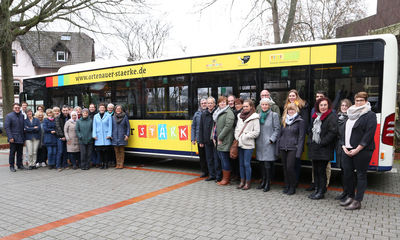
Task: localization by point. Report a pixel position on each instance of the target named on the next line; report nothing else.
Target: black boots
(266, 176)
(104, 165)
(262, 184)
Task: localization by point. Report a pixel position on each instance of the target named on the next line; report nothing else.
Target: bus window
(167, 97)
(203, 93)
(344, 81)
(225, 91)
(128, 95)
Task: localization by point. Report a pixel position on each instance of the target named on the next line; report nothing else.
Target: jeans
(73, 157)
(360, 163)
(32, 148)
(289, 164)
(15, 148)
(51, 155)
(61, 154)
(244, 163)
(41, 154)
(95, 157)
(214, 168)
(224, 158)
(86, 153)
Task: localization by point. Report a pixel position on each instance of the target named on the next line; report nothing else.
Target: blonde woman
(290, 145)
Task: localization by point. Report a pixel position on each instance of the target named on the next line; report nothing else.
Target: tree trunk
(7, 77)
(275, 22)
(290, 21)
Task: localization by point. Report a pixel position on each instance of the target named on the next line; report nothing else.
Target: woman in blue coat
(32, 137)
(102, 132)
(120, 135)
(50, 139)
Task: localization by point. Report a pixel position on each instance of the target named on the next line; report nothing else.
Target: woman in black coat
(322, 141)
(290, 145)
(358, 146)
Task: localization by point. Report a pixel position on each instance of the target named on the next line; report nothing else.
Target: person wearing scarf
(321, 143)
(120, 135)
(265, 142)
(304, 112)
(342, 118)
(358, 148)
(72, 139)
(222, 136)
(290, 145)
(50, 138)
(246, 132)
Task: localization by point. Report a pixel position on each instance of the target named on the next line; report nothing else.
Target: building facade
(45, 52)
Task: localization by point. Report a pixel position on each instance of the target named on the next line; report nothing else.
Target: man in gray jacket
(195, 136)
(265, 94)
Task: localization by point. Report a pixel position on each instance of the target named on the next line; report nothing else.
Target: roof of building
(42, 47)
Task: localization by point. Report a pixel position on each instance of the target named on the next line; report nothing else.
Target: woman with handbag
(290, 145)
(266, 142)
(223, 137)
(246, 132)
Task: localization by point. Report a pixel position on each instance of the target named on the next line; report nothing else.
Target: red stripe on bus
(375, 155)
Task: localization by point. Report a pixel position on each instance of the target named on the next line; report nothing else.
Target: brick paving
(198, 210)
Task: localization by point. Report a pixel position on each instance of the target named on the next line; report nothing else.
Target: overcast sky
(215, 29)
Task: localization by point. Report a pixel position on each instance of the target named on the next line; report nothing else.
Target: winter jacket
(60, 123)
(363, 132)
(247, 140)
(225, 130)
(266, 141)
(83, 130)
(340, 140)
(49, 138)
(206, 127)
(14, 126)
(292, 137)
(30, 130)
(119, 131)
(102, 128)
(328, 135)
(196, 125)
(70, 136)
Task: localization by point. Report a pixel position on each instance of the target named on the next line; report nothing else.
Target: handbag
(233, 151)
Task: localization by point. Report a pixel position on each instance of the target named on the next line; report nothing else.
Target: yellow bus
(160, 96)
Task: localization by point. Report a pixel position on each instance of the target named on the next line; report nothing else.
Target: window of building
(14, 57)
(65, 37)
(61, 56)
(16, 87)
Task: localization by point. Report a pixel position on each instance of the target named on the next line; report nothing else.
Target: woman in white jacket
(246, 132)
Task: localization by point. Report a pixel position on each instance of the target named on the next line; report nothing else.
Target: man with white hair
(265, 94)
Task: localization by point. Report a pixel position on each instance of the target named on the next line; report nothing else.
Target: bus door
(279, 81)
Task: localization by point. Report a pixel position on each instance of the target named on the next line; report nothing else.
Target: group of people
(85, 137)
(349, 130)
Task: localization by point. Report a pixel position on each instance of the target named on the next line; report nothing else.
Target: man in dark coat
(14, 126)
(61, 141)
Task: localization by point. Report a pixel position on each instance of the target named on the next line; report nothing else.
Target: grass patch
(3, 139)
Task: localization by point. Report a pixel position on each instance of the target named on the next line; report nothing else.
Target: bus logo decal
(245, 59)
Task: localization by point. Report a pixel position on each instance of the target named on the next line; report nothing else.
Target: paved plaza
(153, 199)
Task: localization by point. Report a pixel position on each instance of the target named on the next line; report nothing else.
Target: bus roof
(109, 64)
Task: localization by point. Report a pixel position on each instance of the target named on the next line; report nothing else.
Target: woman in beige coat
(246, 132)
(72, 139)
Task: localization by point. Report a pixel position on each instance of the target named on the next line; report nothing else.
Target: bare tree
(143, 39)
(272, 10)
(18, 17)
(318, 19)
